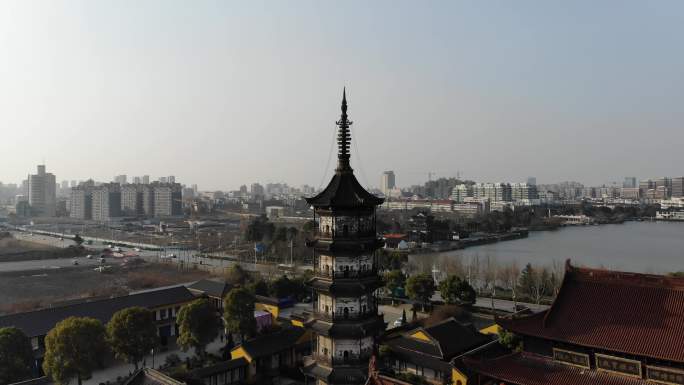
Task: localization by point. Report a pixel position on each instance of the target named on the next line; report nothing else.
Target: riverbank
(470, 242)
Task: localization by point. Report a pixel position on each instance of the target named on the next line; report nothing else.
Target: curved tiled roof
(528, 369)
(639, 314)
(344, 191)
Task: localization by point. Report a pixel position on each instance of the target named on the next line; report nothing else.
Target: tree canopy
(448, 288)
(73, 349)
(394, 279)
(420, 288)
(198, 325)
(16, 356)
(239, 312)
(236, 275)
(259, 229)
(132, 333)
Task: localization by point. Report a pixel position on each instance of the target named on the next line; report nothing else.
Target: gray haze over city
(226, 93)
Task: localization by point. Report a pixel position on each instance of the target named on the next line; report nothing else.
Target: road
(506, 305)
(499, 304)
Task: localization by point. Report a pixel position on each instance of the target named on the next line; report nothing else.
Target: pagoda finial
(343, 137)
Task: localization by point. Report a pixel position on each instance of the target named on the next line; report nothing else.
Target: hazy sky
(223, 93)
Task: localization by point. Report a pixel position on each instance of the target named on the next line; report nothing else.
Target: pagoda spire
(343, 138)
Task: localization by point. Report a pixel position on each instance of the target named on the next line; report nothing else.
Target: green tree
(259, 287)
(236, 275)
(73, 349)
(282, 287)
(510, 340)
(259, 229)
(132, 333)
(420, 288)
(292, 233)
(78, 239)
(16, 356)
(466, 293)
(448, 288)
(527, 280)
(280, 234)
(198, 325)
(239, 312)
(394, 279)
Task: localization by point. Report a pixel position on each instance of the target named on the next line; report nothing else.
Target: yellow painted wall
(493, 329)
(457, 376)
(240, 352)
(297, 323)
(420, 335)
(274, 310)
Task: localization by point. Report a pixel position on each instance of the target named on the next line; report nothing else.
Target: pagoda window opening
(346, 312)
(345, 230)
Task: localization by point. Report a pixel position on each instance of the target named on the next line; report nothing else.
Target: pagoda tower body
(345, 321)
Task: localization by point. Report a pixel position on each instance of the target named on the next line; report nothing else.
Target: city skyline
(200, 93)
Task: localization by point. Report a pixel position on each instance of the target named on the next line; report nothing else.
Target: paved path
(122, 369)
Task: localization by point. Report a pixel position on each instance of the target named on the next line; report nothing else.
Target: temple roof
(639, 314)
(441, 342)
(529, 369)
(344, 191)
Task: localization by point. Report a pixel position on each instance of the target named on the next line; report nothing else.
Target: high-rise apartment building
(460, 192)
(632, 193)
(523, 192)
(120, 179)
(146, 179)
(630, 182)
(388, 182)
(106, 202)
(495, 192)
(81, 201)
(42, 193)
(137, 180)
(132, 199)
(663, 187)
(532, 181)
(678, 187)
(256, 190)
(168, 200)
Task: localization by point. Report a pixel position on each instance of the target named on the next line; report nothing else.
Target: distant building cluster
(110, 200)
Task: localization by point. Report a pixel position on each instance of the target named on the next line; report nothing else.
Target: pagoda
(345, 320)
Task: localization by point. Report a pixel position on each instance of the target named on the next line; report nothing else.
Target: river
(646, 247)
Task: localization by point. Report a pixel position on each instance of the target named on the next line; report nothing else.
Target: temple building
(345, 320)
(605, 327)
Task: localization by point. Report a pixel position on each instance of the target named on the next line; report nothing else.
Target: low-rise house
(215, 291)
(165, 304)
(428, 351)
(274, 306)
(223, 373)
(268, 354)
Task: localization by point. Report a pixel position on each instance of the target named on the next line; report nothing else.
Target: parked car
(75, 262)
(89, 256)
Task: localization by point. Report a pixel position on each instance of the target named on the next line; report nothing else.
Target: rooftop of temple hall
(630, 313)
